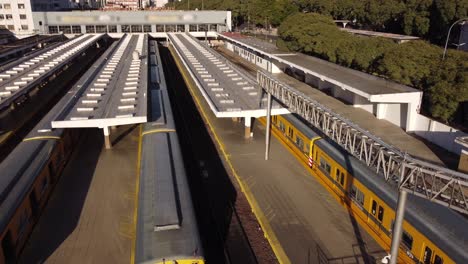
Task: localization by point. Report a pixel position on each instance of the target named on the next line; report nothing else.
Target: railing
(436, 183)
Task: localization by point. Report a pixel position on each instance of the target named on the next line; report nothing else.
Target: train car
(167, 230)
(29, 173)
(433, 234)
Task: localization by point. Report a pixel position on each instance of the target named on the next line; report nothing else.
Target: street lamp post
(448, 35)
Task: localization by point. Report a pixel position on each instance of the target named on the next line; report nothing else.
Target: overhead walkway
(113, 92)
(18, 80)
(228, 91)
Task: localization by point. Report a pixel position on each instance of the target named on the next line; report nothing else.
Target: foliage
(415, 63)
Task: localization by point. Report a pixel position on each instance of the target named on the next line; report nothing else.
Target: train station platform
(396, 103)
(384, 129)
(21, 77)
(89, 216)
(113, 92)
(228, 91)
(302, 220)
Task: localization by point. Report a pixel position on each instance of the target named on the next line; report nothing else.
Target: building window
(9, 16)
(193, 28)
(65, 29)
(213, 27)
(20, 6)
(101, 29)
(146, 28)
(125, 28)
(90, 29)
(137, 28)
(76, 29)
(7, 6)
(170, 28)
(357, 195)
(159, 28)
(24, 27)
(53, 29)
(112, 28)
(22, 16)
(11, 27)
(180, 28)
(202, 28)
(2, 17)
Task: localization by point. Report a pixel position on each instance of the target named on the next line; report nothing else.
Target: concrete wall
(438, 133)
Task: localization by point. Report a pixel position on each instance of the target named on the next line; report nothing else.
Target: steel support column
(268, 127)
(398, 226)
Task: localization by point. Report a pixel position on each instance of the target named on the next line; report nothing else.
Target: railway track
(219, 206)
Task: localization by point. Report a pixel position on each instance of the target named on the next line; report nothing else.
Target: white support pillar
(107, 140)
(248, 130)
(381, 111)
(268, 127)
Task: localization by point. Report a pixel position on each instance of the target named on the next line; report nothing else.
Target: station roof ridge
(228, 91)
(114, 92)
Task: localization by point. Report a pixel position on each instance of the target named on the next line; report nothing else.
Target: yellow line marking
(40, 138)
(269, 233)
(161, 130)
(137, 190)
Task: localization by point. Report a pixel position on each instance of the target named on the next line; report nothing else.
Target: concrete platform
(387, 131)
(307, 221)
(89, 217)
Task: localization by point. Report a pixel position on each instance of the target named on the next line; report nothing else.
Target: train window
(290, 132)
(427, 256)
(281, 126)
(325, 166)
(438, 260)
(300, 143)
(407, 240)
(340, 177)
(357, 195)
(380, 214)
(374, 207)
(274, 119)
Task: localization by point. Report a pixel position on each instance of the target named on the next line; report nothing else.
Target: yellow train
(432, 233)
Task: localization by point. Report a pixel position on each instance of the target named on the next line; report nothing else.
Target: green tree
(444, 13)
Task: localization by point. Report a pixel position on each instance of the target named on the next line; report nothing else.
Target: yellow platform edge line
(268, 231)
(137, 191)
(160, 130)
(41, 138)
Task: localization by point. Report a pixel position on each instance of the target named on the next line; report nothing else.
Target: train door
(8, 248)
(430, 257)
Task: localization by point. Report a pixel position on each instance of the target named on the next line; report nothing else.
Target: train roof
(167, 227)
(19, 171)
(443, 226)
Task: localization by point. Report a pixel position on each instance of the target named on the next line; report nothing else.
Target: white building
(16, 16)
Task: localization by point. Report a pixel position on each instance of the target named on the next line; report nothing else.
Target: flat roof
(229, 92)
(379, 34)
(113, 92)
(363, 84)
(20, 78)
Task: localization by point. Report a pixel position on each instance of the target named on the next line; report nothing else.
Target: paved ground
(389, 132)
(307, 220)
(89, 217)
